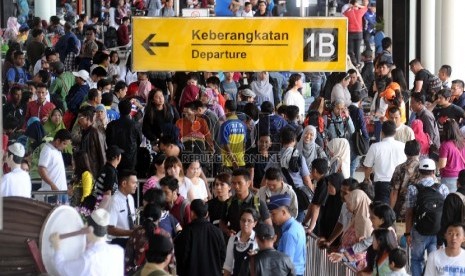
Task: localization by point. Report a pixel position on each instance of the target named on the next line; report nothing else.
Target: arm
(229, 261)
(118, 232)
(418, 86)
(368, 171)
(393, 197)
(308, 182)
(337, 231)
(442, 163)
(408, 222)
(312, 214)
(44, 175)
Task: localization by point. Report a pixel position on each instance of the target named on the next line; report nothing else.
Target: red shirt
(176, 211)
(355, 19)
(34, 109)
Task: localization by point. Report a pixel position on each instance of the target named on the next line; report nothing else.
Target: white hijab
(339, 148)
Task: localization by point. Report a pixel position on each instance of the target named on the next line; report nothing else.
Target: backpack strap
(256, 203)
(462, 197)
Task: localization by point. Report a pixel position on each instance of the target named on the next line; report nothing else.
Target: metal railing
(318, 263)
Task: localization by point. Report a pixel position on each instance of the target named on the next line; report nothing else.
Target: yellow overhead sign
(239, 44)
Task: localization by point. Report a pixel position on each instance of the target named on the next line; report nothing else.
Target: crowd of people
(90, 128)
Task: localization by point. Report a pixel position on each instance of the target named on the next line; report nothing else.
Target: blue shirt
(21, 78)
(293, 244)
(275, 162)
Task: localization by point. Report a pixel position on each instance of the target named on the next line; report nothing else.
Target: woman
(293, 95)
(384, 240)
(101, 118)
(114, 71)
(221, 193)
(157, 114)
(263, 89)
(451, 154)
(167, 221)
(199, 188)
(338, 122)
(12, 29)
(307, 146)
(101, 59)
(173, 167)
(422, 137)
(83, 180)
(157, 171)
(54, 123)
(339, 152)
(340, 90)
(240, 244)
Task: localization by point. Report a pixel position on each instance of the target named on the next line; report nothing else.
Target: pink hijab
(422, 137)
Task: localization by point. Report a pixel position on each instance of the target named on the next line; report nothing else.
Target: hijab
(50, 128)
(422, 137)
(340, 149)
(308, 150)
(360, 205)
(12, 29)
(263, 89)
(144, 89)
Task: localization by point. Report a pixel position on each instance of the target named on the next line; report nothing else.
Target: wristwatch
(406, 234)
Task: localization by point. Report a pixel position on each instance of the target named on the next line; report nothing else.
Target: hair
(273, 174)
(92, 94)
(461, 178)
(120, 85)
(92, 29)
(415, 61)
(282, 110)
(252, 111)
(170, 182)
(355, 96)
(155, 256)
(99, 72)
(386, 241)
(167, 140)
(102, 83)
(62, 135)
(398, 256)
(267, 107)
(293, 79)
(247, 4)
(213, 80)
(292, 112)
(81, 163)
(388, 128)
(456, 224)
(224, 177)
(37, 32)
(125, 174)
(107, 99)
(100, 57)
(150, 109)
(394, 109)
(125, 107)
(385, 212)
(320, 165)
(172, 161)
(398, 76)
(368, 189)
(418, 97)
(242, 172)
(151, 214)
(412, 148)
(112, 53)
(155, 196)
(88, 112)
(352, 71)
(157, 160)
(287, 136)
(18, 54)
(199, 208)
(126, 18)
(250, 211)
(383, 63)
(451, 132)
(445, 92)
(230, 105)
(447, 69)
(350, 182)
(50, 52)
(386, 43)
(459, 82)
(190, 105)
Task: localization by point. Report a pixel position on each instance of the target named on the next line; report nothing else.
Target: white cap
(101, 217)
(17, 149)
(83, 74)
(427, 165)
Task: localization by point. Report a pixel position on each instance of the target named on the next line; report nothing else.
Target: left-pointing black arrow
(147, 44)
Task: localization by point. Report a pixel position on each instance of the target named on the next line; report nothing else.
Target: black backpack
(434, 84)
(428, 210)
(111, 38)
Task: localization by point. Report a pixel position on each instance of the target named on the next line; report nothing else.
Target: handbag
(361, 145)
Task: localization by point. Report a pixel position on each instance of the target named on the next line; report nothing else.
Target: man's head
(395, 116)
(397, 259)
(247, 7)
(15, 154)
(19, 58)
(120, 89)
(339, 107)
(126, 21)
(386, 43)
(457, 88)
(412, 148)
(279, 208)
(415, 66)
(90, 33)
(107, 99)
(189, 110)
(113, 153)
(160, 250)
(230, 106)
(213, 82)
(427, 167)
(104, 85)
(444, 72)
(62, 139)
(98, 73)
(353, 76)
(16, 94)
(81, 77)
(264, 235)
(264, 142)
(168, 146)
(288, 137)
(388, 129)
(99, 220)
(94, 96)
(320, 168)
(127, 182)
(125, 107)
(170, 187)
(356, 96)
(292, 113)
(85, 117)
(455, 235)
(417, 102)
(199, 209)
(384, 68)
(241, 182)
(41, 92)
(38, 34)
(267, 107)
(443, 97)
(274, 179)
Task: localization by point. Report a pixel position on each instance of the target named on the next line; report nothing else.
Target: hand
(231, 233)
(55, 240)
(44, 119)
(335, 257)
(54, 187)
(323, 243)
(70, 191)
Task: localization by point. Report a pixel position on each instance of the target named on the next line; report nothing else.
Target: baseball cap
(264, 231)
(277, 201)
(427, 165)
(83, 74)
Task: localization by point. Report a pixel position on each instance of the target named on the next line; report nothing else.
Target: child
(397, 262)
(198, 189)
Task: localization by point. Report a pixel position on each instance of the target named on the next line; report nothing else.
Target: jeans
(355, 41)
(354, 163)
(450, 182)
(378, 127)
(382, 191)
(366, 40)
(417, 255)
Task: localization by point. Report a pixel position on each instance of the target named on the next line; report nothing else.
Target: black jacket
(269, 262)
(452, 212)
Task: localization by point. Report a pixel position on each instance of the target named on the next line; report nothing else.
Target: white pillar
(438, 46)
(428, 38)
(387, 15)
(44, 8)
(412, 42)
(452, 40)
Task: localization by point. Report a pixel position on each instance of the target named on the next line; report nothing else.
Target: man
(69, 43)
(404, 175)
(51, 165)
(270, 123)
(242, 199)
(125, 133)
(17, 182)
(14, 106)
(94, 98)
(292, 241)
(367, 73)
(99, 258)
(382, 159)
(446, 110)
(420, 84)
(296, 177)
(232, 138)
(40, 108)
(92, 141)
(168, 146)
(357, 116)
(444, 75)
(200, 248)
(457, 90)
(268, 261)
(123, 32)
(36, 48)
(276, 186)
(449, 260)
(421, 233)
(403, 132)
(63, 81)
(158, 256)
(78, 91)
(122, 210)
(454, 207)
(107, 181)
(293, 116)
(229, 87)
(417, 104)
(178, 206)
(209, 116)
(386, 55)
(121, 88)
(97, 74)
(104, 86)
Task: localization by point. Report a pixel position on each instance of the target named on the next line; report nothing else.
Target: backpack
(345, 134)
(359, 143)
(111, 38)
(256, 204)
(434, 84)
(462, 197)
(427, 212)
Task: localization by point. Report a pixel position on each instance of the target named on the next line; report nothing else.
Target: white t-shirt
(184, 187)
(198, 191)
(384, 157)
(16, 183)
(295, 98)
(52, 159)
(118, 210)
(441, 264)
